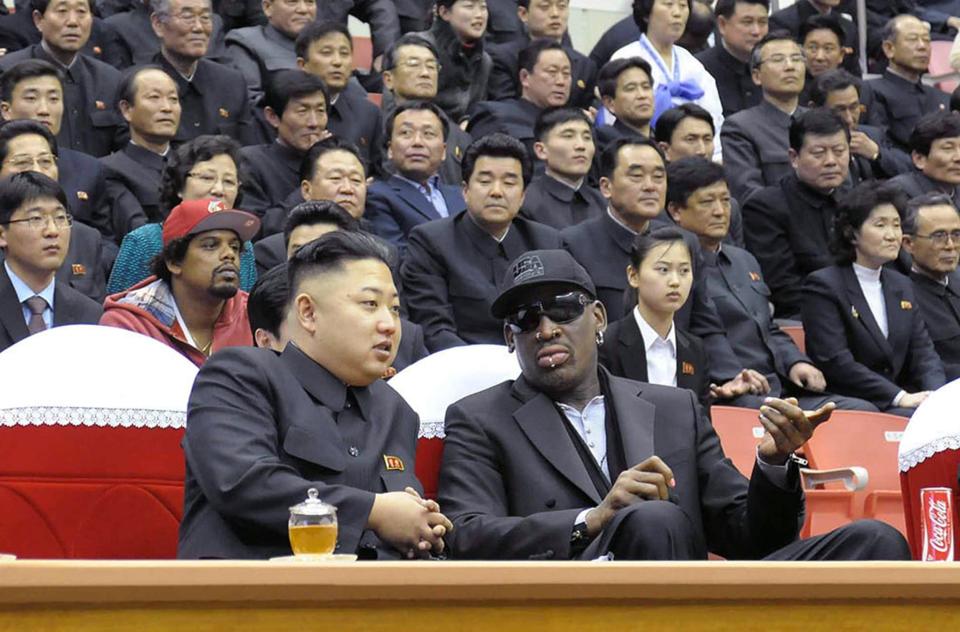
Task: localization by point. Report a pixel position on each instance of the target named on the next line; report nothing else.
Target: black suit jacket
(457, 143)
(273, 173)
(845, 342)
(133, 180)
(381, 15)
(514, 117)
(551, 202)
(513, 483)
(891, 162)
(915, 183)
(793, 17)
(940, 308)
(734, 82)
(895, 104)
(355, 119)
(624, 354)
(395, 207)
(606, 134)
(505, 77)
(70, 307)
(84, 182)
(616, 37)
(265, 427)
(136, 43)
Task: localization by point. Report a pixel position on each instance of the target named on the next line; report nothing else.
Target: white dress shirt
(661, 352)
(24, 292)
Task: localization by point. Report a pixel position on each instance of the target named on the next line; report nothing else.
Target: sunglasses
(560, 309)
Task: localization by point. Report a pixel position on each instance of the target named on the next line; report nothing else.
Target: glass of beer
(313, 527)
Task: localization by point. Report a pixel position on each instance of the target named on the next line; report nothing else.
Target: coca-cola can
(936, 504)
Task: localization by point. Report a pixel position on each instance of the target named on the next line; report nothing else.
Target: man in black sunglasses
(570, 462)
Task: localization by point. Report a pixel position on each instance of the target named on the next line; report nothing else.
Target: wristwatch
(579, 537)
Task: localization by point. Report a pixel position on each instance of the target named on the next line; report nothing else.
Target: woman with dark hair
(861, 320)
(207, 166)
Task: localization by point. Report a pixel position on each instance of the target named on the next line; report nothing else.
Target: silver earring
(599, 338)
(538, 337)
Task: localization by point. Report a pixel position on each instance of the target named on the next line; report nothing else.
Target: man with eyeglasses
(569, 462)
(755, 141)
(34, 237)
(935, 150)
(931, 234)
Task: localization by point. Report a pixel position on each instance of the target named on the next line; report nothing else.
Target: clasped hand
(411, 524)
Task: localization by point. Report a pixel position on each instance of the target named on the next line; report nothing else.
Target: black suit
(133, 180)
(86, 266)
(503, 23)
(940, 308)
(17, 31)
(273, 173)
(381, 15)
(793, 17)
(915, 183)
(624, 354)
(137, 43)
(457, 143)
(891, 162)
(551, 202)
(895, 104)
(265, 427)
(734, 81)
(450, 275)
(505, 77)
(395, 207)
(514, 117)
(84, 182)
(356, 120)
(70, 307)
(606, 134)
(616, 37)
(845, 342)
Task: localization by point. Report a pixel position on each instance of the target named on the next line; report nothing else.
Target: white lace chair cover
(934, 427)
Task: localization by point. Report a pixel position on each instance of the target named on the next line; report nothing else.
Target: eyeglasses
(39, 222)
(939, 237)
(560, 309)
(209, 178)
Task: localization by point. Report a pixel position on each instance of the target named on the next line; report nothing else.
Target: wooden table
(501, 597)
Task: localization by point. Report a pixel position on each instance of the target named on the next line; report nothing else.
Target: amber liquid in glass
(318, 539)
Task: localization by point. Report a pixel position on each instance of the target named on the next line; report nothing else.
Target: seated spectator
(206, 167)
(561, 197)
(821, 38)
(899, 99)
(544, 19)
(880, 12)
(698, 200)
(800, 17)
(626, 91)
(789, 226)
(380, 15)
(935, 150)
(544, 83)
(410, 73)
(417, 133)
(18, 31)
(259, 52)
(325, 50)
(34, 238)
(452, 265)
(646, 345)
(89, 122)
(193, 302)
(296, 105)
(137, 43)
(677, 75)
(29, 146)
(740, 25)
(503, 25)
(931, 234)
(267, 309)
(872, 155)
(148, 100)
(862, 323)
(457, 35)
(755, 140)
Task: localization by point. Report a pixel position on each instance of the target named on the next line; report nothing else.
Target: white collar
(23, 290)
(619, 221)
(650, 336)
(867, 274)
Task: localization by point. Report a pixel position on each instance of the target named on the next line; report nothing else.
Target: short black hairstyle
(773, 36)
(12, 129)
(642, 9)
(180, 163)
(407, 39)
(911, 216)
(829, 22)
(267, 302)
(41, 6)
(816, 121)
(127, 86)
(425, 106)
(26, 69)
(552, 117)
(832, 81)
(531, 53)
(497, 145)
(318, 30)
(644, 243)
(284, 85)
(954, 99)
(318, 212)
(726, 8)
(609, 75)
(688, 174)
(308, 166)
(611, 154)
(331, 251)
(20, 188)
(931, 127)
(670, 119)
(853, 209)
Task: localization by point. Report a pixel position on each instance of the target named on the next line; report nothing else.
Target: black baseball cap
(538, 267)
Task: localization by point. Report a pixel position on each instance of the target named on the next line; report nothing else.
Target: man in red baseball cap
(192, 302)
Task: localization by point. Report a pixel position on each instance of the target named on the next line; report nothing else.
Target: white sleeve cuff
(899, 398)
(582, 516)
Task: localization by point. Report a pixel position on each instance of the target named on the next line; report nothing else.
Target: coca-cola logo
(939, 518)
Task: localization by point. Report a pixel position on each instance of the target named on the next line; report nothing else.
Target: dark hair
(610, 74)
(552, 117)
(20, 127)
(816, 121)
(20, 188)
(41, 6)
(670, 119)
(688, 174)
(954, 99)
(642, 9)
(181, 161)
(611, 155)
(829, 22)
(407, 39)
(911, 216)
(127, 86)
(496, 145)
(27, 69)
(832, 81)
(173, 252)
(284, 85)
(318, 212)
(425, 106)
(308, 166)
(772, 36)
(726, 8)
(853, 209)
(267, 302)
(318, 30)
(331, 251)
(531, 53)
(932, 127)
(644, 243)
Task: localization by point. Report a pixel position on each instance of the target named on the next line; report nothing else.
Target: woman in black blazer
(861, 320)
